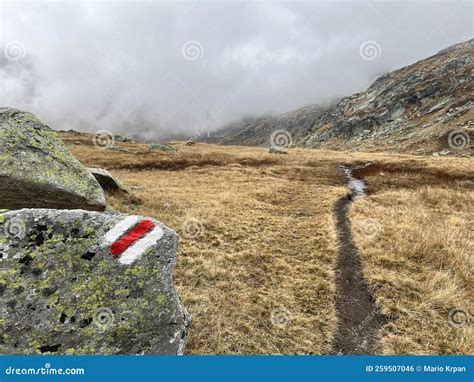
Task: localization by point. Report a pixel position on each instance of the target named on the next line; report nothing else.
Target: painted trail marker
(131, 237)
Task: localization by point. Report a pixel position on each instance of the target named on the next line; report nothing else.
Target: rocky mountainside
(413, 109)
(257, 131)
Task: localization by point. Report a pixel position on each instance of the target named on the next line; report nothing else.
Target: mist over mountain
(160, 69)
(410, 109)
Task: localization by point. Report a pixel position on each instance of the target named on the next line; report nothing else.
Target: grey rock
(62, 292)
(37, 170)
(107, 180)
(277, 150)
(161, 147)
(115, 148)
(397, 112)
(120, 138)
(439, 105)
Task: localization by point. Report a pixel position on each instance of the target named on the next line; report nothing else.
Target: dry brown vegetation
(419, 258)
(258, 277)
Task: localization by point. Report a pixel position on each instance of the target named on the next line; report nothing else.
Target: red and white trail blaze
(131, 237)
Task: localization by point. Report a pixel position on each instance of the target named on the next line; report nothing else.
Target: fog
(151, 68)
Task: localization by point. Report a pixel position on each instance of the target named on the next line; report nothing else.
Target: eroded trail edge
(359, 318)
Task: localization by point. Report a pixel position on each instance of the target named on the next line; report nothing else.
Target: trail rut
(359, 318)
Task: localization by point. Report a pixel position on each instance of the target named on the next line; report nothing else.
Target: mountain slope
(257, 131)
(412, 109)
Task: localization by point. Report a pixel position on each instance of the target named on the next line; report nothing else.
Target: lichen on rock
(37, 170)
(63, 292)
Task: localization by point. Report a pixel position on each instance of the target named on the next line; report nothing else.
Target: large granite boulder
(81, 282)
(37, 170)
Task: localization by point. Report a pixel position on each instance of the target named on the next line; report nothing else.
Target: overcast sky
(154, 67)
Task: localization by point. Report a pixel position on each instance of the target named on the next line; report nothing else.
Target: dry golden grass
(419, 258)
(259, 278)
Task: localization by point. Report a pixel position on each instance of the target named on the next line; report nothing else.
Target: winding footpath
(359, 318)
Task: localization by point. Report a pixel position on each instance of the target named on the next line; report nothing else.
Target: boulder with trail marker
(82, 282)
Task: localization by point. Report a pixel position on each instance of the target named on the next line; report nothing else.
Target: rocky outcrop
(37, 170)
(411, 106)
(107, 181)
(81, 282)
(277, 150)
(162, 147)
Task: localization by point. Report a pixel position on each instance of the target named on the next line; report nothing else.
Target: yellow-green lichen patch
(160, 299)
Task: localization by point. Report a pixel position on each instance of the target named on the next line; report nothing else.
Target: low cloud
(153, 69)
